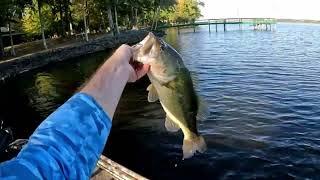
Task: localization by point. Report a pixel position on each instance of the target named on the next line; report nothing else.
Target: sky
(289, 9)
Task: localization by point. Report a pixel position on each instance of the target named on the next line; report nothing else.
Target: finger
(135, 50)
(143, 71)
(125, 46)
(136, 47)
(126, 51)
(133, 75)
(129, 49)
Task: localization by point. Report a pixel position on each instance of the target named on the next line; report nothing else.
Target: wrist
(107, 85)
(119, 67)
(122, 73)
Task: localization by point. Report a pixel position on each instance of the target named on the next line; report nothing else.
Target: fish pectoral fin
(170, 125)
(203, 110)
(191, 146)
(152, 95)
(168, 79)
(163, 80)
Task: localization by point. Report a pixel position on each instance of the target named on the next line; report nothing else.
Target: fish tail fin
(191, 146)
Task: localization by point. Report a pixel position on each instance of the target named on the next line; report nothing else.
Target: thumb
(143, 71)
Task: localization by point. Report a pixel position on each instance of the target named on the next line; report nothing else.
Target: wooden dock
(107, 169)
(256, 23)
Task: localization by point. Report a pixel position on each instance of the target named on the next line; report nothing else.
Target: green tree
(95, 11)
(85, 5)
(39, 4)
(164, 5)
(62, 12)
(105, 7)
(187, 10)
(38, 19)
(11, 11)
(61, 16)
(4, 5)
(3, 19)
(134, 6)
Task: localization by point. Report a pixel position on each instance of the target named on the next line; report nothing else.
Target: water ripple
(263, 91)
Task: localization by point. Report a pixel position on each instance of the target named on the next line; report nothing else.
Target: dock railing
(257, 23)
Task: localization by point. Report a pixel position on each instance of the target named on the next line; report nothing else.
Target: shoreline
(298, 21)
(18, 65)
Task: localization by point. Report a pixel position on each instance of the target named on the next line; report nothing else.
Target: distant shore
(299, 21)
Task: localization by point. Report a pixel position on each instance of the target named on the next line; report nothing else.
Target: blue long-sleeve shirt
(66, 145)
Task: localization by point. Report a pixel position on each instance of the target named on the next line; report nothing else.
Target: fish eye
(161, 47)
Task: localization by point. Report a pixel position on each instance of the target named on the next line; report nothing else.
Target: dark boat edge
(108, 169)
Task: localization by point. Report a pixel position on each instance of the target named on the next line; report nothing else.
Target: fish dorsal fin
(152, 95)
(170, 125)
(203, 110)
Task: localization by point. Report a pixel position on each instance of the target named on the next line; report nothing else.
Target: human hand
(136, 69)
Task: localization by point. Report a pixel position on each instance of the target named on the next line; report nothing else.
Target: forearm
(69, 142)
(67, 145)
(107, 85)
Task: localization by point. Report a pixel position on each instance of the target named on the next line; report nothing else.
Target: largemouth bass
(172, 85)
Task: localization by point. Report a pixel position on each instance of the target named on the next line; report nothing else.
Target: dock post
(178, 30)
(216, 27)
(224, 25)
(266, 27)
(194, 28)
(209, 26)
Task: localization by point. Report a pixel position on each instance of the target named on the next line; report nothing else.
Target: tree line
(41, 19)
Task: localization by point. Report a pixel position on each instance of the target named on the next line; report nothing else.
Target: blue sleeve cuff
(67, 144)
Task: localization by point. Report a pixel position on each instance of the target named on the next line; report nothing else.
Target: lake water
(262, 89)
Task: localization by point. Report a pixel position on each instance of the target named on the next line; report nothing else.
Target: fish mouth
(134, 62)
(147, 50)
(136, 65)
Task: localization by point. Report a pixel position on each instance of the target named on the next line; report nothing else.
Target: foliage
(11, 10)
(168, 15)
(31, 21)
(4, 5)
(187, 10)
(59, 15)
(183, 11)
